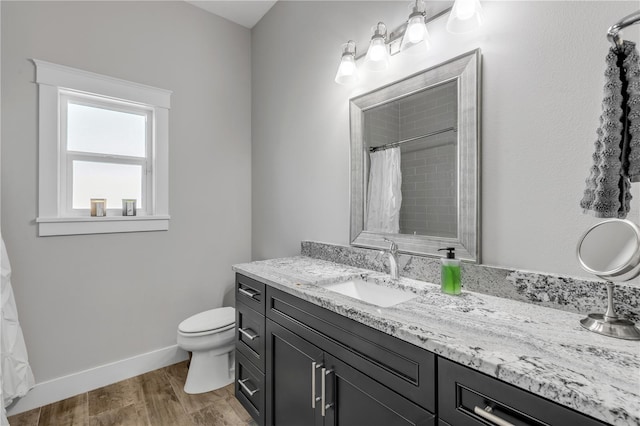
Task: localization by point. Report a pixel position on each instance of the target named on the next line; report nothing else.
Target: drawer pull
(249, 333)
(487, 415)
(246, 388)
(249, 293)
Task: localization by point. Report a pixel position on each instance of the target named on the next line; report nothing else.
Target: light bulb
(466, 9)
(465, 16)
(378, 49)
(416, 34)
(416, 29)
(347, 67)
(347, 70)
(378, 54)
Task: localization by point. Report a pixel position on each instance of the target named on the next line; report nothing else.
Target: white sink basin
(370, 292)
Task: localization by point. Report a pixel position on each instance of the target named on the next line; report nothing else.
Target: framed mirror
(415, 162)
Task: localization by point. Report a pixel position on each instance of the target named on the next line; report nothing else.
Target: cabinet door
(293, 364)
(353, 399)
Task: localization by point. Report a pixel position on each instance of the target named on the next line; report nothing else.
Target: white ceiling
(244, 12)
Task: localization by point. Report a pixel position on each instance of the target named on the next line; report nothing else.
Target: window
(105, 148)
(100, 137)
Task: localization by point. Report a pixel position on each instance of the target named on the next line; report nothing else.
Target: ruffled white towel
(15, 373)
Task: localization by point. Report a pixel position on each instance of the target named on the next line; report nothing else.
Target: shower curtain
(16, 377)
(384, 193)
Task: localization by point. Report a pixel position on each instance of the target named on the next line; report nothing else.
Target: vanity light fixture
(378, 54)
(465, 16)
(416, 34)
(412, 36)
(347, 70)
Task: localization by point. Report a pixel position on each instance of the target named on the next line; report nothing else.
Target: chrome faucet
(393, 259)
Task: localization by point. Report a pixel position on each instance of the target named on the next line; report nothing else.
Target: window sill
(50, 226)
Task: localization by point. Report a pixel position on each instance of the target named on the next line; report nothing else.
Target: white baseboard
(83, 381)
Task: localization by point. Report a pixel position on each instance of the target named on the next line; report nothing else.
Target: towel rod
(612, 34)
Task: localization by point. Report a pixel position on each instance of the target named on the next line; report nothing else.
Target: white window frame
(57, 84)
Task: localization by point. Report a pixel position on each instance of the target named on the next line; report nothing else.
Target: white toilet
(210, 337)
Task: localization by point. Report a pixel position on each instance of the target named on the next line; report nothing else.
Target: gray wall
(89, 300)
(543, 65)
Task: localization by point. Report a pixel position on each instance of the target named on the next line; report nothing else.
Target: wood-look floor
(156, 398)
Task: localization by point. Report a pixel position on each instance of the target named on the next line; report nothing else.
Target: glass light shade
(465, 16)
(347, 70)
(416, 35)
(378, 55)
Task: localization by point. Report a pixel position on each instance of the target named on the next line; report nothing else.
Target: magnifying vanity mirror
(415, 163)
(611, 251)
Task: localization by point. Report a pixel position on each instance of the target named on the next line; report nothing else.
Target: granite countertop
(542, 350)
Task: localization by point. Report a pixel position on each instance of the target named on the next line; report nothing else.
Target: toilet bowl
(210, 337)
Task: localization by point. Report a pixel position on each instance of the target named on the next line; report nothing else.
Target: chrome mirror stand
(609, 324)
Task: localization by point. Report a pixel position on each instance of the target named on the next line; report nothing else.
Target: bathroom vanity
(306, 355)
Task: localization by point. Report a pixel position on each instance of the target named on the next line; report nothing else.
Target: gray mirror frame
(466, 70)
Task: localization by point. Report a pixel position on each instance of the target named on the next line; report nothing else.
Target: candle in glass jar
(128, 207)
(98, 207)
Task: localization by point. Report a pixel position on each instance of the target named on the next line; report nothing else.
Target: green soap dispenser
(450, 272)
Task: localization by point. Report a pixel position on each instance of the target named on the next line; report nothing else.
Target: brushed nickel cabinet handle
(323, 385)
(246, 388)
(314, 398)
(322, 392)
(487, 415)
(249, 333)
(249, 293)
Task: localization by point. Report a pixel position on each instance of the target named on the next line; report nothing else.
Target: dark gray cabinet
(298, 364)
(250, 346)
(301, 379)
(400, 366)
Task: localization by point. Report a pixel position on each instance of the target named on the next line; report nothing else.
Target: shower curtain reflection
(384, 192)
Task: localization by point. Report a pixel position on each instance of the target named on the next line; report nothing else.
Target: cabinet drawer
(250, 292)
(464, 392)
(249, 388)
(401, 366)
(250, 338)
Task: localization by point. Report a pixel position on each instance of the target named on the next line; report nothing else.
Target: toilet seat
(214, 320)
